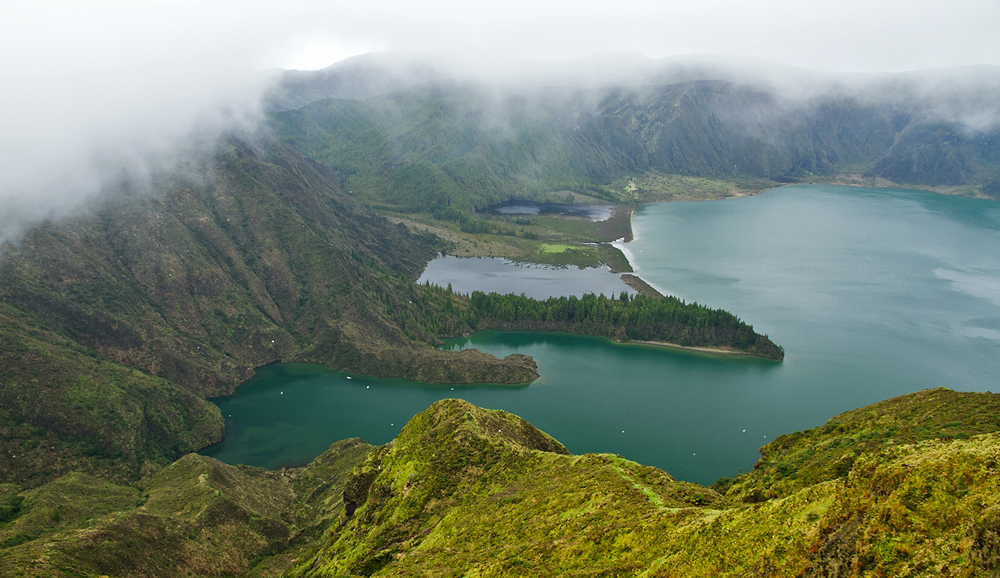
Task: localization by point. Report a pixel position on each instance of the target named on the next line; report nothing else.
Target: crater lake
(872, 292)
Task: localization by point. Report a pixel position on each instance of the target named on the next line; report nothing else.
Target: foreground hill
(466, 490)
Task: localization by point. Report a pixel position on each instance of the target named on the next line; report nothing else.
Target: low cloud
(92, 89)
(90, 95)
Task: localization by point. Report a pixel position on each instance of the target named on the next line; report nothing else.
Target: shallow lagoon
(873, 294)
(468, 274)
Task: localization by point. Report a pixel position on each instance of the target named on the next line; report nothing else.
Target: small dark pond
(592, 212)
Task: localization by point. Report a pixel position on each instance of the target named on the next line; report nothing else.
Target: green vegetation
(114, 327)
(64, 408)
(450, 149)
(623, 318)
(795, 461)
(197, 516)
(653, 186)
(639, 318)
(640, 285)
(467, 490)
(445, 149)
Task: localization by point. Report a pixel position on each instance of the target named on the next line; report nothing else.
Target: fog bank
(94, 89)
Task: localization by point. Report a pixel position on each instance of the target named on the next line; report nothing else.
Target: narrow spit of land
(665, 320)
(651, 317)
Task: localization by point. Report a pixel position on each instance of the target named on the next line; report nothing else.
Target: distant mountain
(962, 93)
(418, 131)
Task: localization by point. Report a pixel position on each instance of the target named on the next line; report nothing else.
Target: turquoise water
(873, 294)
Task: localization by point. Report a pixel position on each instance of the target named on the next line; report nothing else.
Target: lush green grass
(656, 186)
(464, 490)
(797, 460)
(195, 517)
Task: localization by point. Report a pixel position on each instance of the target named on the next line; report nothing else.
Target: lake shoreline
(631, 278)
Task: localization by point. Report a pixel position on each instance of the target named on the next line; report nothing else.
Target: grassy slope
(197, 517)
(468, 491)
(65, 408)
(463, 491)
(797, 460)
(435, 148)
(204, 285)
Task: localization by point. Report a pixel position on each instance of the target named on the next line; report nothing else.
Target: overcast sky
(87, 83)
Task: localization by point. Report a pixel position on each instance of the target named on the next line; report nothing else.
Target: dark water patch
(289, 413)
(585, 210)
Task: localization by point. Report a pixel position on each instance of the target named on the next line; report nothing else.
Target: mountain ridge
(115, 327)
(449, 148)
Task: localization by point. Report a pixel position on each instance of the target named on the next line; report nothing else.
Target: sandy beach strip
(690, 348)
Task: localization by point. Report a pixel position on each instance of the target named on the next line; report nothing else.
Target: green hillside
(468, 491)
(463, 490)
(446, 148)
(441, 148)
(196, 517)
(115, 326)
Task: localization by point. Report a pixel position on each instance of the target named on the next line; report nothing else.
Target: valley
(274, 297)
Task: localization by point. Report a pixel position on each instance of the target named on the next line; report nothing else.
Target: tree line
(625, 318)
